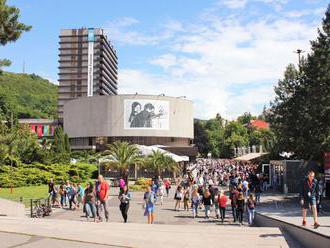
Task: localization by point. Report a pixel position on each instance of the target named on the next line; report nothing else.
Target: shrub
(143, 181)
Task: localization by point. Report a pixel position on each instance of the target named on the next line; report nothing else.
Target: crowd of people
(203, 186)
(208, 182)
(208, 185)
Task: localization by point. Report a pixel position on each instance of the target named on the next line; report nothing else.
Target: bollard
(21, 199)
(31, 207)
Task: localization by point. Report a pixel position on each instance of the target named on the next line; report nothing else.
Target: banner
(90, 66)
(146, 114)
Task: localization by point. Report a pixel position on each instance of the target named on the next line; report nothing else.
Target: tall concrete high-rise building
(87, 65)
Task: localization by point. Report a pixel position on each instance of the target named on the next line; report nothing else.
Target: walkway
(133, 235)
(286, 208)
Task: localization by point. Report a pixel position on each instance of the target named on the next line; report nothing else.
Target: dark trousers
(72, 199)
(240, 215)
(223, 213)
(124, 209)
(234, 211)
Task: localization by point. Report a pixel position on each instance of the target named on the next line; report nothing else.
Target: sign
(90, 63)
(327, 166)
(146, 114)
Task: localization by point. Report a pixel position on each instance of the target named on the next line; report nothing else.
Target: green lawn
(26, 192)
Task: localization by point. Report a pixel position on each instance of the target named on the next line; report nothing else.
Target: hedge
(37, 173)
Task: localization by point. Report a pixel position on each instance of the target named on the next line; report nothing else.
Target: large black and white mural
(146, 114)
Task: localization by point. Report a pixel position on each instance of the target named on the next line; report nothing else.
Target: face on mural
(137, 108)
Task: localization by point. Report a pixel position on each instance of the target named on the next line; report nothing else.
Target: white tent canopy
(147, 150)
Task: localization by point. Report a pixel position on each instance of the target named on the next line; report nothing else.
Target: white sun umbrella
(147, 150)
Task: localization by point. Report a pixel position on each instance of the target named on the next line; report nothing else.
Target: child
(186, 200)
(251, 208)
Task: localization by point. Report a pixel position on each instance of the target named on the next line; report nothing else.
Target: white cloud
(207, 61)
(234, 4)
(48, 77)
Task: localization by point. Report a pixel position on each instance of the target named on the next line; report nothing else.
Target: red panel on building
(33, 128)
(39, 131)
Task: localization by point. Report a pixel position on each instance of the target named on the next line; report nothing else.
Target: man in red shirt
(102, 196)
(222, 200)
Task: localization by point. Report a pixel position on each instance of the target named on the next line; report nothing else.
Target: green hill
(30, 95)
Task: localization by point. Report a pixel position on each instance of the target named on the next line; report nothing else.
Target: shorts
(309, 202)
(150, 208)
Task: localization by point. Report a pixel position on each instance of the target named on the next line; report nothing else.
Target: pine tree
(67, 143)
(300, 114)
(10, 28)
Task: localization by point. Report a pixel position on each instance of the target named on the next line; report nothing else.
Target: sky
(224, 55)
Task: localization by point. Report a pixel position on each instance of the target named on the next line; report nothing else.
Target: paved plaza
(171, 228)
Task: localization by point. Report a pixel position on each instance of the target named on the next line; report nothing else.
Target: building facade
(87, 65)
(93, 122)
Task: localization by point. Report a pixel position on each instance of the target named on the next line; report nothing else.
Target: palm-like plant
(121, 156)
(159, 161)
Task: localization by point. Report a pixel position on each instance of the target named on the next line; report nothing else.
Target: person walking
(80, 194)
(240, 207)
(258, 191)
(216, 203)
(195, 200)
(186, 199)
(207, 202)
(178, 197)
(89, 201)
(251, 204)
(233, 198)
(72, 196)
(102, 192)
(167, 186)
(309, 197)
(124, 198)
(149, 199)
(222, 201)
(63, 195)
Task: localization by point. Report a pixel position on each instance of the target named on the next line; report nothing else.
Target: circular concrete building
(93, 122)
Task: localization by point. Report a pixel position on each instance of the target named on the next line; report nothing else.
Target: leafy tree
(28, 96)
(201, 139)
(245, 118)
(10, 28)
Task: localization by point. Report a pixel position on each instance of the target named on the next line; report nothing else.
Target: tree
(159, 161)
(201, 139)
(10, 28)
(59, 140)
(7, 112)
(67, 143)
(235, 135)
(245, 118)
(300, 114)
(122, 155)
